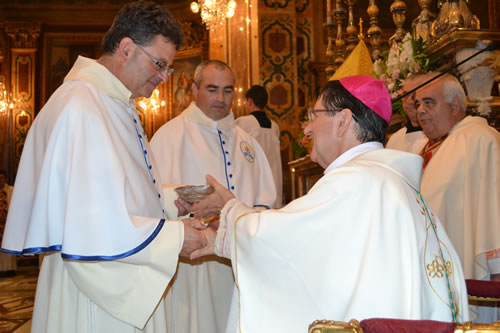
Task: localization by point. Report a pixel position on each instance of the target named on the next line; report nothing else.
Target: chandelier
(6, 100)
(152, 104)
(213, 12)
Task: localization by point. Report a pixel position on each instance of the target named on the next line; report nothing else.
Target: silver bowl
(194, 193)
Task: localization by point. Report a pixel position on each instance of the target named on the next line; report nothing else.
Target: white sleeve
(131, 288)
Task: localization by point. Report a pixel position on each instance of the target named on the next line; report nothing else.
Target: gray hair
(451, 88)
(219, 65)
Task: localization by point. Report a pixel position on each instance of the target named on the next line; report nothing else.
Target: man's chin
(220, 112)
(313, 156)
(425, 127)
(148, 93)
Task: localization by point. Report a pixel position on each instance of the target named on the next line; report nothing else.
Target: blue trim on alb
(32, 250)
(223, 155)
(56, 248)
(117, 256)
(265, 206)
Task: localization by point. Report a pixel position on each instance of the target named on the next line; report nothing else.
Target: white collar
(91, 71)
(194, 113)
(352, 153)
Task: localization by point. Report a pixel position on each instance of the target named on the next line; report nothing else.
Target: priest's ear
(456, 107)
(194, 89)
(124, 49)
(250, 102)
(344, 121)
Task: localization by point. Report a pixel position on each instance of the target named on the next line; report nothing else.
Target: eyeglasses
(161, 66)
(311, 113)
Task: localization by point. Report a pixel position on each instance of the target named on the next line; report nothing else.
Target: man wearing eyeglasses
(204, 139)
(461, 179)
(87, 192)
(410, 138)
(360, 244)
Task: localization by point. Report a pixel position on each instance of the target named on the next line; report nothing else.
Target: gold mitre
(359, 62)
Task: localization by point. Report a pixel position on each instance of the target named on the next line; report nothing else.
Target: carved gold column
(398, 11)
(236, 43)
(24, 40)
(374, 31)
(339, 42)
(352, 39)
(330, 29)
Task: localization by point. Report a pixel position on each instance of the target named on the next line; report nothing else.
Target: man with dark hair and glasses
(204, 139)
(87, 192)
(410, 137)
(360, 244)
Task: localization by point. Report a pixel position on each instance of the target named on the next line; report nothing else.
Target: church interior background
(289, 46)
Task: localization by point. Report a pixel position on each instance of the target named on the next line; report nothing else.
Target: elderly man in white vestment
(361, 243)
(410, 138)
(461, 178)
(87, 194)
(265, 131)
(204, 139)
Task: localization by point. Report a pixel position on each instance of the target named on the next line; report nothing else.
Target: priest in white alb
(86, 193)
(461, 178)
(204, 139)
(362, 243)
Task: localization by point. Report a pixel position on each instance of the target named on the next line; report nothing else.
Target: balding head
(440, 105)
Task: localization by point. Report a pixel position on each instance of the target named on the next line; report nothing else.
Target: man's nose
(307, 130)
(220, 96)
(164, 76)
(419, 108)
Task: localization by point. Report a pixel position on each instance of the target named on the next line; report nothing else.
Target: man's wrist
(222, 246)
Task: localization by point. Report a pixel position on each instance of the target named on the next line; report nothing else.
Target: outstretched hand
(213, 203)
(210, 234)
(183, 207)
(194, 238)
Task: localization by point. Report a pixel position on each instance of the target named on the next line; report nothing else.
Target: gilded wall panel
(23, 82)
(278, 65)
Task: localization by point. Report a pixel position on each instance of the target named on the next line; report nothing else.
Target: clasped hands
(199, 238)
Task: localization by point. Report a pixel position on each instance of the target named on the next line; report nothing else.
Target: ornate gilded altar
(478, 75)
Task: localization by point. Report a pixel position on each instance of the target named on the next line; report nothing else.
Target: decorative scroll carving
(23, 34)
(325, 326)
(194, 34)
(454, 14)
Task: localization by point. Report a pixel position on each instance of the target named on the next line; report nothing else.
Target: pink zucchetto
(371, 92)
